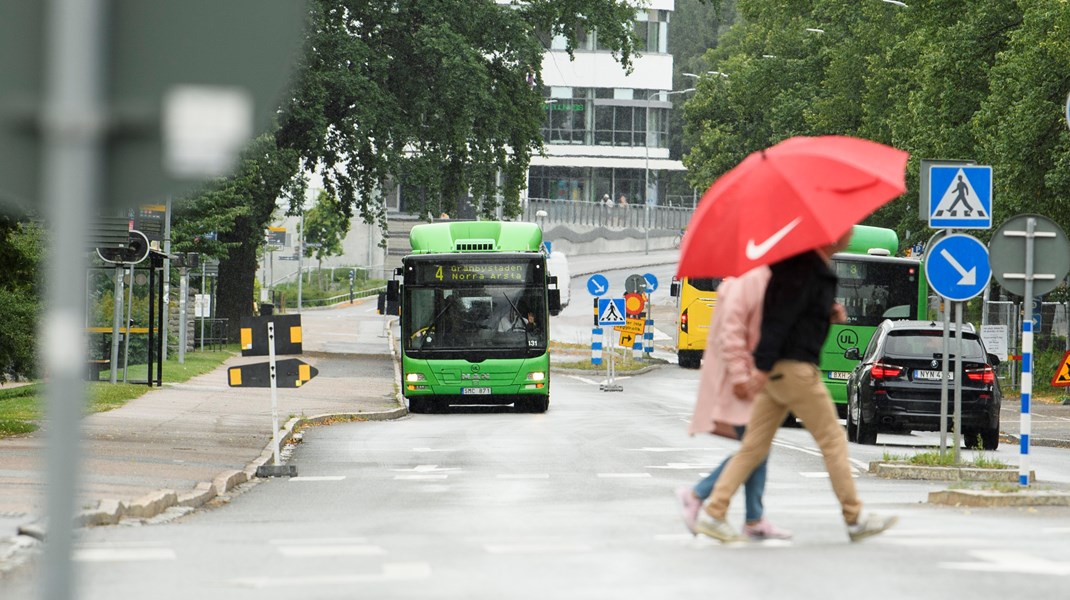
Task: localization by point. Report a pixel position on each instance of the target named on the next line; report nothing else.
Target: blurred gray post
(183, 294)
(72, 134)
(166, 279)
(117, 318)
(300, 257)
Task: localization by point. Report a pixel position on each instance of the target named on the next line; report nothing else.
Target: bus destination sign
(446, 273)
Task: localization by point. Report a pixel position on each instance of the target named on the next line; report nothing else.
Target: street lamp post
(646, 167)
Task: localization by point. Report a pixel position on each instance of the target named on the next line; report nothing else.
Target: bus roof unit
(866, 238)
(475, 236)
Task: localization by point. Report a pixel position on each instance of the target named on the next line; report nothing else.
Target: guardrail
(598, 214)
(321, 302)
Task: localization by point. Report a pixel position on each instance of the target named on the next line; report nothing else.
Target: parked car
(896, 386)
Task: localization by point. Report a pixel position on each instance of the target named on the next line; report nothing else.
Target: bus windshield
(874, 290)
(502, 321)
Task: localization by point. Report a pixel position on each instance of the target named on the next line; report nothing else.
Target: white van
(557, 266)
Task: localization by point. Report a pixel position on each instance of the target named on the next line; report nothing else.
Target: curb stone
(992, 498)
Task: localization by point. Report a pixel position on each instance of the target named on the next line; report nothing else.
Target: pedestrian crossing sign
(611, 311)
(960, 197)
(1062, 374)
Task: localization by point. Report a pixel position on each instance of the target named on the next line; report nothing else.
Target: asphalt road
(576, 503)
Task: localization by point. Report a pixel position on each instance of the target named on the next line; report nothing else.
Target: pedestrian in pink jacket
(724, 397)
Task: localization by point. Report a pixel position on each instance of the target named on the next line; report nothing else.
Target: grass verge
(22, 408)
(947, 459)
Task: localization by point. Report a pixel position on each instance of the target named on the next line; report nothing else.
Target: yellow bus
(695, 301)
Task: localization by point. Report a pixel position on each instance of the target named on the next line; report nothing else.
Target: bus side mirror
(392, 302)
(553, 299)
(380, 303)
(674, 289)
(852, 354)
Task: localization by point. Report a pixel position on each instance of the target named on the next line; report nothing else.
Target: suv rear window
(928, 343)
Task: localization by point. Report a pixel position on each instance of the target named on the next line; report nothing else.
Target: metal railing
(598, 214)
(321, 302)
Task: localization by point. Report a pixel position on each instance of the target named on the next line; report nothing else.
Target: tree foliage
(21, 253)
(325, 228)
(445, 94)
(227, 221)
(953, 79)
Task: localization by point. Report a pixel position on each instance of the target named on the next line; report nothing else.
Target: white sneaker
(870, 524)
(716, 528)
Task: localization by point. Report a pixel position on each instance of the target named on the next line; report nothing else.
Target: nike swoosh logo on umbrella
(756, 251)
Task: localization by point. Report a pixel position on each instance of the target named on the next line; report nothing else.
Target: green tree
(325, 227)
(445, 94)
(21, 253)
(227, 221)
(952, 79)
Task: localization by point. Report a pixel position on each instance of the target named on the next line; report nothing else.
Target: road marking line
(821, 474)
(330, 550)
(1007, 561)
(123, 554)
(524, 476)
(683, 466)
(536, 548)
(623, 475)
(391, 572)
(317, 541)
(419, 477)
(320, 478)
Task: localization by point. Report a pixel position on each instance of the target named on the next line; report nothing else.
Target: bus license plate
(933, 375)
(484, 391)
(844, 375)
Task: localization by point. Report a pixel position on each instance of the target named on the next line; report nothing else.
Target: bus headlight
(415, 377)
(537, 376)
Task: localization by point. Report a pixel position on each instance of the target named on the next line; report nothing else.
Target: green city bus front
(474, 331)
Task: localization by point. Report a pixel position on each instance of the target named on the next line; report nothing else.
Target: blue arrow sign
(598, 285)
(611, 311)
(651, 282)
(957, 267)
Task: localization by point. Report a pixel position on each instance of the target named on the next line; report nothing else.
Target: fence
(597, 214)
(211, 333)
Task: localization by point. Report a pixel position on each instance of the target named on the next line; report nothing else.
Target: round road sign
(1051, 254)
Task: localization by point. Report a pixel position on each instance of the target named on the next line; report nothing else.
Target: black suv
(896, 386)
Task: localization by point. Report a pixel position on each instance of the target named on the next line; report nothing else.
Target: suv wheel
(867, 432)
(852, 426)
(989, 438)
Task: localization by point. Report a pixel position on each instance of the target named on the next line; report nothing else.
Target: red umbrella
(800, 194)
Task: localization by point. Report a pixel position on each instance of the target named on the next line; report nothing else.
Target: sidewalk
(184, 444)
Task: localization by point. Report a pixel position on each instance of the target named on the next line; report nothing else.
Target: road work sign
(632, 326)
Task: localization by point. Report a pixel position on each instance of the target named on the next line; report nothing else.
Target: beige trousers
(796, 386)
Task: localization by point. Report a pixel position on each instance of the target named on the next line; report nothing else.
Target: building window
(558, 183)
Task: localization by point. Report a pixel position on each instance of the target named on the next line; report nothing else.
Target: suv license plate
(844, 375)
(475, 391)
(932, 375)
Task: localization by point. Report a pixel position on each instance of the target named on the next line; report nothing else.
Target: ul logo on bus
(847, 338)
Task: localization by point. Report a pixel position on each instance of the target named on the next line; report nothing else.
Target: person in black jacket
(799, 305)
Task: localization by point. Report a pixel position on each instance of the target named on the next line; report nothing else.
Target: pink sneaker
(689, 507)
(764, 530)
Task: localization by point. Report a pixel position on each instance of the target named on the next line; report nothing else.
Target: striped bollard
(648, 336)
(596, 346)
(1027, 391)
(637, 349)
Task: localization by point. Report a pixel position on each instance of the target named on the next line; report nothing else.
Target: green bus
(873, 286)
(475, 302)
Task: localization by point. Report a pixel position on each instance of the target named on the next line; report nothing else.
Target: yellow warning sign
(1062, 374)
(627, 339)
(632, 326)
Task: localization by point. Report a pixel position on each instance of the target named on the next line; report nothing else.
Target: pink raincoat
(733, 335)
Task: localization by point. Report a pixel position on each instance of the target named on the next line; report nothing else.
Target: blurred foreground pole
(72, 129)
